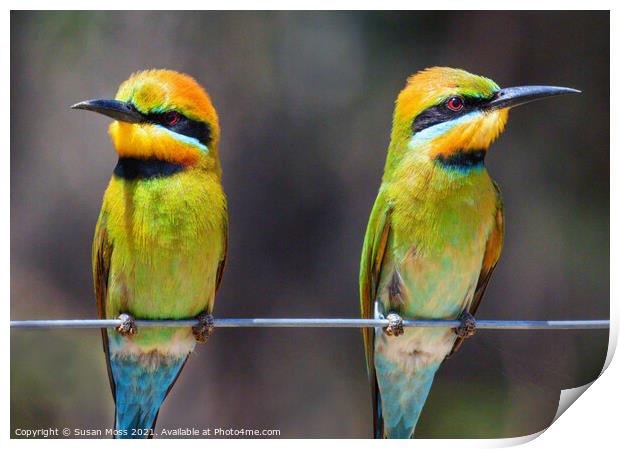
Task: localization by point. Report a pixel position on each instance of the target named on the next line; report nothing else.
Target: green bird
(435, 233)
(160, 243)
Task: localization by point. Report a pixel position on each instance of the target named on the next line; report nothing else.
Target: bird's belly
(166, 236)
(164, 261)
(159, 284)
(437, 286)
(442, 285)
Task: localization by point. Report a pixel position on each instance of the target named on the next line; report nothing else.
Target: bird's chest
(440, 284)
(430, 271)
(435, 255)
(160, 214)
(167, 243)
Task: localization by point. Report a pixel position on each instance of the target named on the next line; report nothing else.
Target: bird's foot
(128, 325)
(467, 328)
(206, 324)
(395, 325)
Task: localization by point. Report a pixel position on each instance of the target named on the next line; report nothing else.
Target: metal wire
(314, 322)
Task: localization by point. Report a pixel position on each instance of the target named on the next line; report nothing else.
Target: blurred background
(305, 103)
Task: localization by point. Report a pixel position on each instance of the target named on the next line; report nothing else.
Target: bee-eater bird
(160, 243)
(434, 235)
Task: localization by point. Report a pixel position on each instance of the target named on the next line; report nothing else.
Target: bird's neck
(137, 168)
(133, 168)
(425, 172)
(436, 202)
(462, 161)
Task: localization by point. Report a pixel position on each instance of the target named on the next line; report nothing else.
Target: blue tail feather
(141, 385)
(401, 396)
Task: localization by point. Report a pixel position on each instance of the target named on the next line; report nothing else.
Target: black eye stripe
(441, 113)
(188, 127)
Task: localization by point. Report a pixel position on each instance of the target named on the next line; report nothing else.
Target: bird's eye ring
(172, 118)
(455, 103)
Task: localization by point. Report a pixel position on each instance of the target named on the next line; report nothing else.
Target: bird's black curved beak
(118, 110)
(516, 96)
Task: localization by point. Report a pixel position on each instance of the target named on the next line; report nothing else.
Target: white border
(590, 421)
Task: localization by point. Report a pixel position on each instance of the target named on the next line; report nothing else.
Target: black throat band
(463, 160)
(132, 168)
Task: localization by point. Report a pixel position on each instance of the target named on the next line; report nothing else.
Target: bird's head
(162, 115)
(450, 117)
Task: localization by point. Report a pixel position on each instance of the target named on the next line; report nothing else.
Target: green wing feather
(222, 265)
(375, 243)
(491, 256)
(102, 255)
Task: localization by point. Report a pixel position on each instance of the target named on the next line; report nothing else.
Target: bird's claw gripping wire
(128, 325)
(395, 325)
(467, 328)
(202, 331)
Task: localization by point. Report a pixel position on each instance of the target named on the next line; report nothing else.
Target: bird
(434, 235)
(160, 242)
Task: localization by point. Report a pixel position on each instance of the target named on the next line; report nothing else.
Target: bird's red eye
(171, 118)
(455, 103)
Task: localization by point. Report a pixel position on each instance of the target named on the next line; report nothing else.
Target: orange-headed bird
(160, 242)
(434, 235)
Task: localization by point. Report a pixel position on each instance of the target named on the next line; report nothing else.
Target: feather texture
(160, 243)
(433, 237)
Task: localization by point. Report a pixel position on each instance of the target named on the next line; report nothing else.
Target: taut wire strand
(313, 322)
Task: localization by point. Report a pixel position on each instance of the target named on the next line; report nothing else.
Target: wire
(314, 322)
